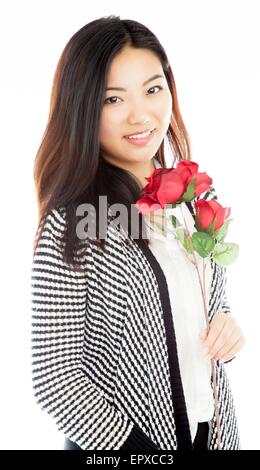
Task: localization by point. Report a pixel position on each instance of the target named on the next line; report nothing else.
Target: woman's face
(138, 107)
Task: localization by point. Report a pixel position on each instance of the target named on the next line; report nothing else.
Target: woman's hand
(224, 339)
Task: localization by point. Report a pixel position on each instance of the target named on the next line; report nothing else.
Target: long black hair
(69, 168)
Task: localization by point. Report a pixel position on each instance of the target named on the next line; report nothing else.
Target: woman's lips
(141, 132)
(141, 140)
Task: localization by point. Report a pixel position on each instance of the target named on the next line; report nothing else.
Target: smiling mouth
(140, 135)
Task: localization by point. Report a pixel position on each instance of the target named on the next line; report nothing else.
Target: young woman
(116, 355)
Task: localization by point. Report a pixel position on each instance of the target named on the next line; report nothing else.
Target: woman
(108, 358)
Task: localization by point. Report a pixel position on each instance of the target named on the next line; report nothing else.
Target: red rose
(207, 211)
(164, 186)
(167, 185)
(146, 205)
(188, 171)
(185, 168)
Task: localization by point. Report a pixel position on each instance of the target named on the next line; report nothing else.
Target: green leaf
(175, 221)
(180, 234)
(225, 253)
(203, 243)
(222, 231)
(190, 191)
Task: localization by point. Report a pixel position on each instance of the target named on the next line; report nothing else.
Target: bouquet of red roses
(169, 187)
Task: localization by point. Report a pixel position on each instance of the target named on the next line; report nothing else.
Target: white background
(213, 47)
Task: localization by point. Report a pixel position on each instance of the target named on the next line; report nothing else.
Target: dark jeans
(200, 441)
(201, 438)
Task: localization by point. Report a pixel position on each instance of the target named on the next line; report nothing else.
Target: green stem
(213, 364)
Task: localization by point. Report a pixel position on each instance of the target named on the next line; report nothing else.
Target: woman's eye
(157, 86)
(116, 97)
(111, 97)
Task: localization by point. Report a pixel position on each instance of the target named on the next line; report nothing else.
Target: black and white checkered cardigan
(104, 356)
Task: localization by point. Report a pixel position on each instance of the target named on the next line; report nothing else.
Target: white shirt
(188, 314)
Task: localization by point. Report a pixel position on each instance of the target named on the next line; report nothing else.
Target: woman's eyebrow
(145, 83)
